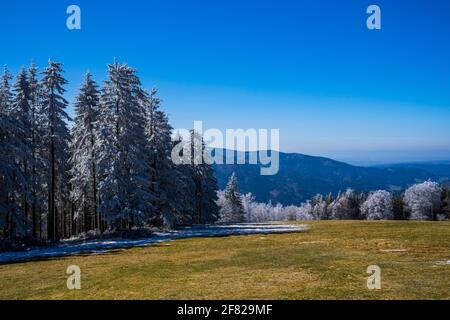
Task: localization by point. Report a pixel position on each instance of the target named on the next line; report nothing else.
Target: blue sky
(310, 68)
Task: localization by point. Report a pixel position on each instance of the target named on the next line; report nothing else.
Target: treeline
(112, 171)
(423, 201)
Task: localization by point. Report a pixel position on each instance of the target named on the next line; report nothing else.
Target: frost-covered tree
(56, 138)
(166, 179)
(320, 210)
(232, 209)
(265, 212)
(5, 92)
(423, 200)
(84, 156)
(248, 200)
(446, 203)
(254, 211)
(21, 115)
(347, 205)
(378, 206)
(125, 181)
(185, 188)
(12, 179)
(37, 174)
(200, 172)
(305, 212)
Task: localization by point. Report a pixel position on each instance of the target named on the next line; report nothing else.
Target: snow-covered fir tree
(56, 138)
(38, 173)
(125, 180)
(5, 92)
(166, 178)
(21, 115)
(232, 210)
(202, 174)
(84, 157)
(12, 179)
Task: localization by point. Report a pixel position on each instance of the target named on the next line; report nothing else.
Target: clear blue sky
(310, 68)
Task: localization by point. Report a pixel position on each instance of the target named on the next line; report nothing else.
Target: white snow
(96, 247)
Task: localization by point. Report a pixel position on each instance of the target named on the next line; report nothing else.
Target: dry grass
(327, 262)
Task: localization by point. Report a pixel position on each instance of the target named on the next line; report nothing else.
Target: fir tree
(166, 178)
(38, 174)
(84, 156)
(21, 116)
(125, 187)
(232, 210)
(5, 92)
(11, 176)
(56, 138)
(205, 192)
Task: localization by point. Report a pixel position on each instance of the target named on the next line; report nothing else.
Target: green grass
(327, 262)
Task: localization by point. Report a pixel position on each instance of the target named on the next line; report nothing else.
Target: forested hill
(301, 177)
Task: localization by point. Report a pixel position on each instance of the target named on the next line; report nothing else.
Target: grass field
(327, 262)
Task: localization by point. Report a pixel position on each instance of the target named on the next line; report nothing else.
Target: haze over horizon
(314, 71)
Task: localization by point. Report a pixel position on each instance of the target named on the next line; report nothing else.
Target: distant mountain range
(301, 177)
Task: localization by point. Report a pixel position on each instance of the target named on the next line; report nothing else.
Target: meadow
(329, 261)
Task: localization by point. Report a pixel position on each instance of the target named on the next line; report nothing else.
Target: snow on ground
(102, 246)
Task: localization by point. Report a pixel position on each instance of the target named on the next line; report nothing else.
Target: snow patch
(99, 246)
(311, 242)
(393, 250)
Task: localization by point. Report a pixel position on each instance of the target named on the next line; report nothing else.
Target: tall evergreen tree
(125, 182)
(232, 210)
(120, 173)
(205, 192)
(21, 116)
(5, 92)
(38, 174)
(185, 188)
(11, 175)
(165, 177)
(56, 137)
(84, 156)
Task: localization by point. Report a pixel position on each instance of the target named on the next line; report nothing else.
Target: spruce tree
(21, 116)
(38, 174)
(125, 182)
(56, 137)
(11, 176)
(165, 178)
(205, 192)
(232, 210)
(84, 156)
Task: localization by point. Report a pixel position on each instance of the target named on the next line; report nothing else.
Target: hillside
(301, 177)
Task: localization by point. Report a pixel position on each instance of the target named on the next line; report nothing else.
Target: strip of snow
(393, 250)
(102, 246)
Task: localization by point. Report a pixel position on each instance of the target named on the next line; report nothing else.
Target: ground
(327, 262)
